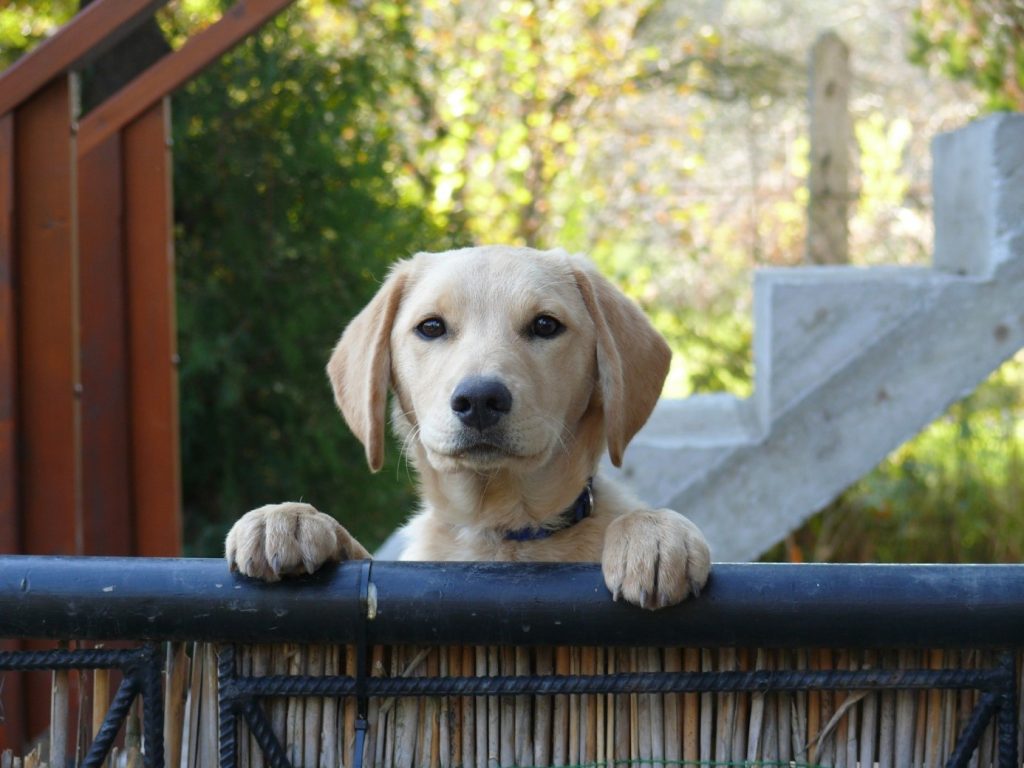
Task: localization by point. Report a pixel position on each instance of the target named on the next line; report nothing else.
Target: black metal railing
(366, 604)
(140, 668)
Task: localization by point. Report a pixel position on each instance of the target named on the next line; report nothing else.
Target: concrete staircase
(850, 362)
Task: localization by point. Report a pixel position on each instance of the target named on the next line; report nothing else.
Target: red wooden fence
(89, 459)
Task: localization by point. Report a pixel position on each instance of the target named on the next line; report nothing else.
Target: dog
(511, 370)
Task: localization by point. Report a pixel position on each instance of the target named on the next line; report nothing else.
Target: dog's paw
(654, 558)
(282, 539)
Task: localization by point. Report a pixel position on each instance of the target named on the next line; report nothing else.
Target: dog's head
(495, 356)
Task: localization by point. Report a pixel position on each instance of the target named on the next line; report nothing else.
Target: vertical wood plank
(45, 256)
(106, 481)
(12, 698)
(60, 690)
(934, 733)
(152, 346)
(47, 322)
(10, 527)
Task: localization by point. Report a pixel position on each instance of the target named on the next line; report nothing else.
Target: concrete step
(839, 431)
(692, 434)
(811, 320)
(978, 183)
(850, 363)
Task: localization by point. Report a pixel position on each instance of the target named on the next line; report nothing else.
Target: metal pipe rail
(365, 604)
(762, 605)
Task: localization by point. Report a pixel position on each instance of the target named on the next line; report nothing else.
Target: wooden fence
(89, 459)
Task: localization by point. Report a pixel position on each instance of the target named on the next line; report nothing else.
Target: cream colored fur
(587, 389)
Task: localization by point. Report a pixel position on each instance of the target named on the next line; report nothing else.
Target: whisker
(407, 444)
(566, 439)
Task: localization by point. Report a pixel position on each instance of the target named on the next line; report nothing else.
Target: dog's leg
(654, 558)
(281, 539)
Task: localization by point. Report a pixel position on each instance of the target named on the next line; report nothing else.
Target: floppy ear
(632, 359)
(360, 367)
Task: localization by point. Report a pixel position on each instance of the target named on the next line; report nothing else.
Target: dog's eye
(431, 328)
(545, 327)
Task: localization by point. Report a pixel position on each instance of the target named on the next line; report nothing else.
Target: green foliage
(25, 23)
(288, 216)
(511, 97)
(953, 494)
(979, 41)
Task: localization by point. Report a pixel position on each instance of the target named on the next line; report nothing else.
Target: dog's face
(495, 356)
(492, 357)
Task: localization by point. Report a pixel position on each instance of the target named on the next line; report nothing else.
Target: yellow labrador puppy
(512, 370)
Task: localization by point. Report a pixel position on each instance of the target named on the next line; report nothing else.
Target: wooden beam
(175, 69)
(48, 436)
(12, 696)
(47, 312)
(100, 25)
(152, 342)
(10, 528)
(106, 476)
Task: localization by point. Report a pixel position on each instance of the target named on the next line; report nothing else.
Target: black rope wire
(149, 676)
(227, 706)
(971, 735)
(80, 658)
(264, 735)
(1007, 723)
(115, 717)
(758, 681)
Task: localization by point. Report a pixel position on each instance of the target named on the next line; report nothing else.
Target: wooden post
(106, 481)
(47, 307)
(152, 344)
(48, 384)
(10, 526)
(13, 731)
(828, 182)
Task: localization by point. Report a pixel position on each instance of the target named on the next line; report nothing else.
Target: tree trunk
(829, 183)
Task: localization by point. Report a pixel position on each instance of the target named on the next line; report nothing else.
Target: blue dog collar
(580, 510)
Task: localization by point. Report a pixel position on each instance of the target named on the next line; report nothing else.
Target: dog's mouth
(480, 450)
(473, 449)
(483, 448)
(483, 452)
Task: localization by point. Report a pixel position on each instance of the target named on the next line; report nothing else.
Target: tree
(288, 216)
(979, 41)
(24, 23)
(580, 124)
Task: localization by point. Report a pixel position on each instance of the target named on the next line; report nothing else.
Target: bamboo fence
(895, 729)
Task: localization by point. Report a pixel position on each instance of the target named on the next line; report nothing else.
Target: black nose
(480, 402)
